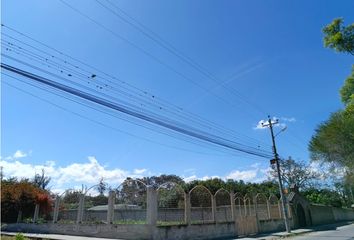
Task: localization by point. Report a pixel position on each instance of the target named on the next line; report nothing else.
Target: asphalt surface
(345, 232)
(337, 231)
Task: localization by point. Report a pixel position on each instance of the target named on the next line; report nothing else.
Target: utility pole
(276, 160)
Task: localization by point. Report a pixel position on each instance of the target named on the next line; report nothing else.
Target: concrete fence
(321, 214)
(238, 207)
(219, 215)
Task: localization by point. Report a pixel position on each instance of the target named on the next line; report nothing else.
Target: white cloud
(88, 173)
(140, 171)
(261, 123)
(288, 119)
(19, 154)
(74, 174)
(255, 173)
(211, 177)
(247, 175)
(190, 178)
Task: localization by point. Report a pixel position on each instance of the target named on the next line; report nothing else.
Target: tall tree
(102, 186)
(347, 91)
(296, 172)
(41, 180)
(339, 37)
(333, 141)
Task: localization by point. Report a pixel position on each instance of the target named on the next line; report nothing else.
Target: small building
(116, 207)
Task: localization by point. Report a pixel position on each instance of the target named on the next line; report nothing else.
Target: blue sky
(270, 52)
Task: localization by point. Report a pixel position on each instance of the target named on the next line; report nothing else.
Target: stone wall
(271, 225)
(321, 214)
(125, 231)
(165, 214)
(182, 223)
(343, 214)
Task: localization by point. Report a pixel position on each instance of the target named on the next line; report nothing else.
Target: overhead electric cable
(128, 106)
(173, 50)
(215, 140)
(171, 68)
(103, 124)
(76, 67)
(47, 89)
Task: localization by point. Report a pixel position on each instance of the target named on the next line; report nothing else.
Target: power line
(78, 85)
(98, 122)
(178, 109)
(212, 139)
(173, 50)
(112, 115)
(171, 68)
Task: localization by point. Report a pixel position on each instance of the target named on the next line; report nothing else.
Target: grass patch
(129, 222)
(18, 236)
(63, 221)
(171, 223)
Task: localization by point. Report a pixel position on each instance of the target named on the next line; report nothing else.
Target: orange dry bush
(21, 197)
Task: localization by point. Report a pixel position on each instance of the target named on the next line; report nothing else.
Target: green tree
(296, 172)
(41, 180)
(339, 37)
(333, 141)
(347, 91)
(102, 187)
(324, 196)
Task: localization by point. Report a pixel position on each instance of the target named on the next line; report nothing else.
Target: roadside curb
(296, 232)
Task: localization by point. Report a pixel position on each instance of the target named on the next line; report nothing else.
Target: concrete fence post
(110, 209)
(187, 208)
(268, 209)
(56, 209)
(255, 204)
(255, 207)
(151, 211)
(19, 216)
(233, 208)
(213, 208)
(245, 206)
(36, 213)
(80, 210)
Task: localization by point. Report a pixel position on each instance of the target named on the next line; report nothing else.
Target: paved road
(339, 233)
(56, 236)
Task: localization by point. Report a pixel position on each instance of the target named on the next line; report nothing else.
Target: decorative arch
(201, 204)
(200, 186)
(239, 204)
(222, 205)
(130, 201)
(262, 206)
(170, 184)
(274, 207)
(171, 199)
(248, 204)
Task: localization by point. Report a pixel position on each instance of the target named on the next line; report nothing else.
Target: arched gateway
(300, 208)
